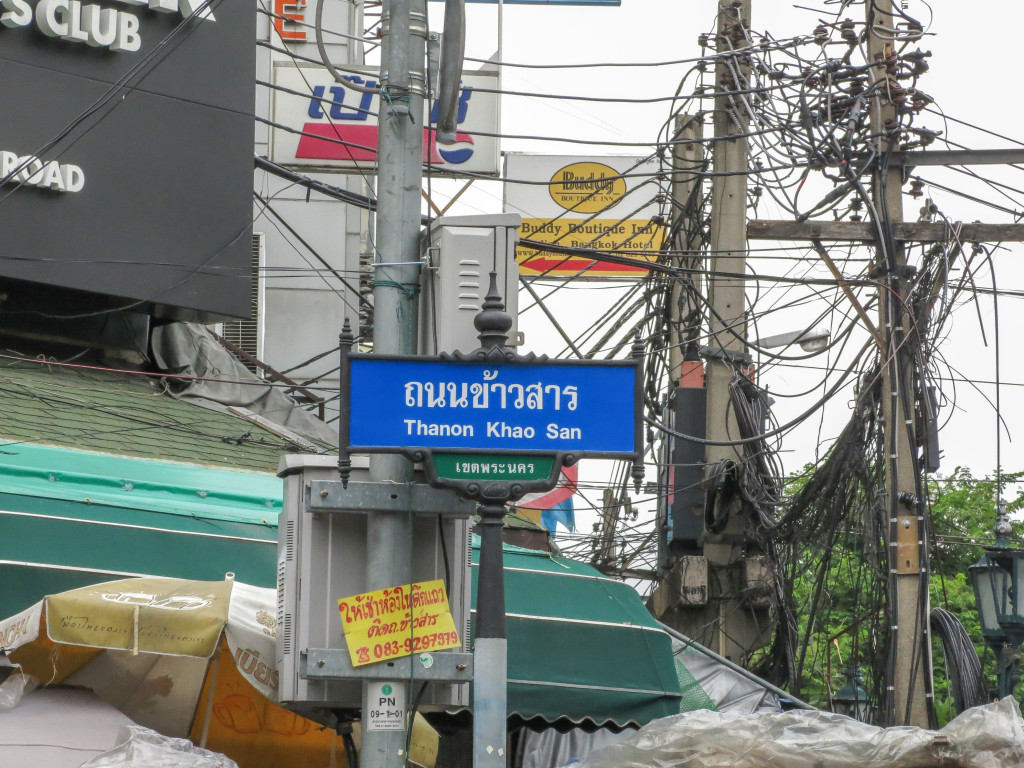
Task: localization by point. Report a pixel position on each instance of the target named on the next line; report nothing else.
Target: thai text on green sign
(476, 467)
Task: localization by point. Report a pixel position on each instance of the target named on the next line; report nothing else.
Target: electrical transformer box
(460, 255)
(322, 558)
(685, 494)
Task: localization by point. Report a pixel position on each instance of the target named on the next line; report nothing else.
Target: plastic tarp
(57, 728)
(704, 684)
(708, 684)
(990, 736)
(549, 748)
(222, 382)
(140, 747)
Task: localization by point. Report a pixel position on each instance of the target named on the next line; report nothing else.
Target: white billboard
(320, 124)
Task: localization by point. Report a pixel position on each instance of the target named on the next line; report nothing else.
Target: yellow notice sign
(397, 622)
(626, 237)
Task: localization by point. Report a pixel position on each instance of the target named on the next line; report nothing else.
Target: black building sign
(126, 141)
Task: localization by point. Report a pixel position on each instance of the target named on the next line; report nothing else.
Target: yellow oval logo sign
(587, 187)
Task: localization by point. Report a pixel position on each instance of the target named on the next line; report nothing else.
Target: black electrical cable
(354, 289)
(963, 667)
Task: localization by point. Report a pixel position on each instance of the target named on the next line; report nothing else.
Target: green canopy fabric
(582, 648)
(70, 518)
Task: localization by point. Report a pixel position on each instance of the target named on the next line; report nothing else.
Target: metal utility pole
(490, 650)
(399, 179)
(907, 692)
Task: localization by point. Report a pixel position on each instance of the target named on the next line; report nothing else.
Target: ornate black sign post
(493, 425)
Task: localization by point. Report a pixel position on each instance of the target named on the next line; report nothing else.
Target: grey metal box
(461, 252)
(322, 557)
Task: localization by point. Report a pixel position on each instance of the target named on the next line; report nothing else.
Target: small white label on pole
(386, 707)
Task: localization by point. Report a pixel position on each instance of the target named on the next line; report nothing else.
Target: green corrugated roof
(190, 492)
(581, 646)
(125, 414)
(70, 518)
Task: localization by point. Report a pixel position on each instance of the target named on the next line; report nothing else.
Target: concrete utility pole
(688, 160)
(735, 633)
(907, 692)
(604, 554)
(681, 596)
(399, 179)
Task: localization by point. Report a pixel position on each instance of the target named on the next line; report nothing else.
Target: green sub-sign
(464, 466)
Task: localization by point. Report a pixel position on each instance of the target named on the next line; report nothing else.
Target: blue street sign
(582, 407)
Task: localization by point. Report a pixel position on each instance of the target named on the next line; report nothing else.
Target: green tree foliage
(963, 511)
(963, 515)
(838, 627)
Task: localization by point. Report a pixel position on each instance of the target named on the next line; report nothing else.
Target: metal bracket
(908, 545)
(362, 497)
(728, 355)
(452, 667)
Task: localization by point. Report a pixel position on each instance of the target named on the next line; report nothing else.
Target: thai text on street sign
(461, 465)
(598, 204)
(398, 621)
(582, 407)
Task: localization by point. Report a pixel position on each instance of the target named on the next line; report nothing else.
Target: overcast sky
(973, 77)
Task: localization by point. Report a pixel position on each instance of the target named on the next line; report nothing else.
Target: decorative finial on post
(1003, 528)
(637, 348)
(492, 321)
(639, 473)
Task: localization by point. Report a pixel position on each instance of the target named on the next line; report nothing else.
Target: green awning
(70, 518)
(582, 647)
(583, 650)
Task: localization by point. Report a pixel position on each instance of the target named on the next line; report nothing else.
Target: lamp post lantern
(998, 580)
(852, 700)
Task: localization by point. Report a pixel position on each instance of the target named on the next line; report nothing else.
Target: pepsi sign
(326, 125)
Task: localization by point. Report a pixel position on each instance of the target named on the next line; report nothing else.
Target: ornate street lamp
(998, 580)
(852, 700)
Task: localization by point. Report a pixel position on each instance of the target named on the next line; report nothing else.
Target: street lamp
(852, 700)
(998, 580)
(809, 340)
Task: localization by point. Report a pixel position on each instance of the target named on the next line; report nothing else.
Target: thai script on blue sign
(483, 406)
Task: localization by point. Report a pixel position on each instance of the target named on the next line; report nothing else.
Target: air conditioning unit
(247, 334)
(322, 557)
